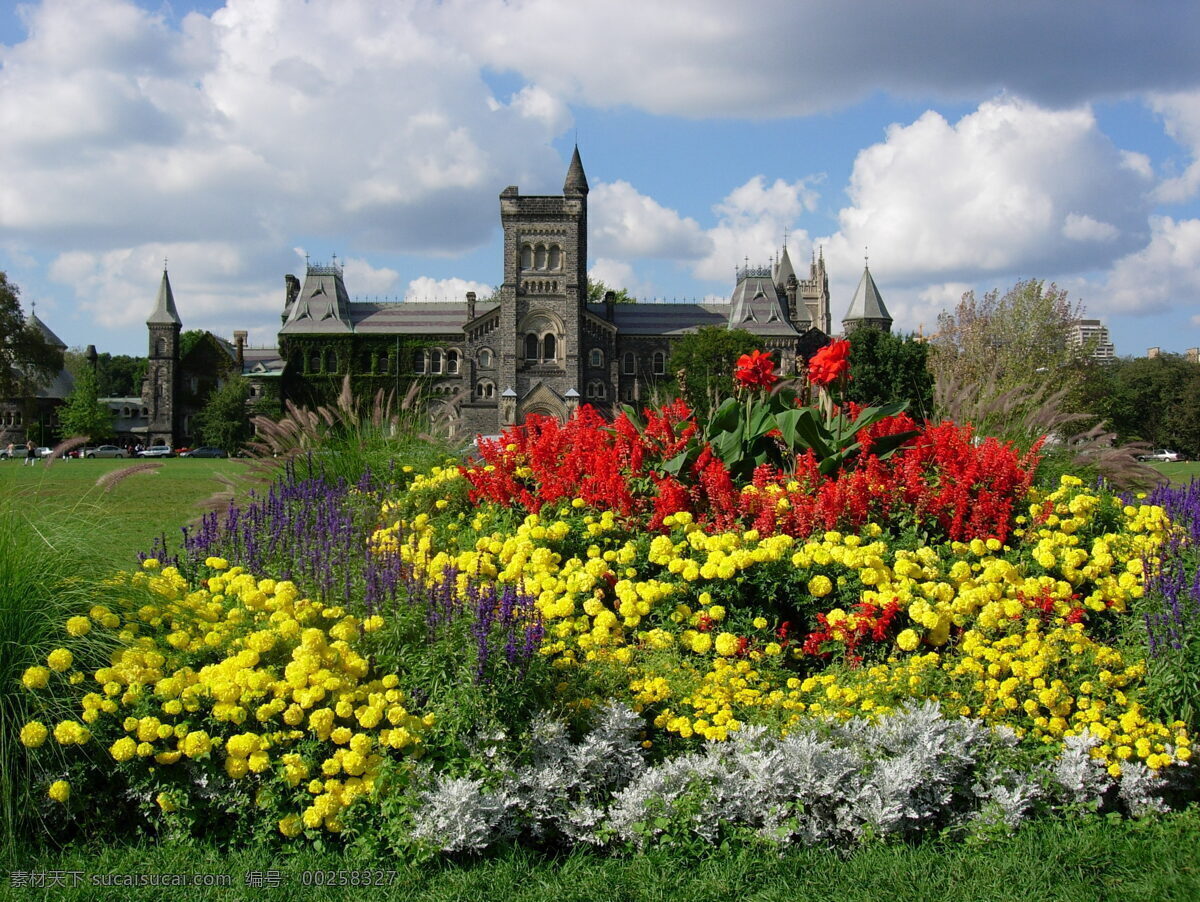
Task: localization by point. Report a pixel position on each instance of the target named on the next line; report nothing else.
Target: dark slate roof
(783, 269)
(323, 305)
(757, 307)
(663, 319)
(261, 362)
(867, 303)
(164, 313)
(50, 338)
(419, 317)
(576, 182)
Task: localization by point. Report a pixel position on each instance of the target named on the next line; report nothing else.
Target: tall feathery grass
(47, 575)
(350, 437)
(1076, 443)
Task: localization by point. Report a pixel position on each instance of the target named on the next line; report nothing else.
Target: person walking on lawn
(30, 453)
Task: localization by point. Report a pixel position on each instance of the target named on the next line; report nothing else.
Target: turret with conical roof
(576, 181)
(164, 308)
(162, 370)
(867, 309)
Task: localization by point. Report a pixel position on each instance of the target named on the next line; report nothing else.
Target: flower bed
(812, 623)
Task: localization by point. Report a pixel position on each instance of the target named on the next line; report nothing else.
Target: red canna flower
(756, 370)
(829, 362)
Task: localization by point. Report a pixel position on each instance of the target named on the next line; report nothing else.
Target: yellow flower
(820, 586)
(908, 640)
(165, 802)
(60, 791)
(60, 660)
(78, 626)
(33, 734)
(291, 825)
(36, 678)
(216, 563)
(123, 749)
(726, 644)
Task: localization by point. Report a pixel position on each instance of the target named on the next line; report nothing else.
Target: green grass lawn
(1180, 472)
(126, 519)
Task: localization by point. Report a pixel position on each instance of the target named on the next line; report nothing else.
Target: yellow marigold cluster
(988, 630)
(244, 672)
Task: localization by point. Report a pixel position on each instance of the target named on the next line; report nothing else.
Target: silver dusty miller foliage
(832, 784)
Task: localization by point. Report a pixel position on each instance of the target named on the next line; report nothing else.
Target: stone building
(536, 346)
(34, 416)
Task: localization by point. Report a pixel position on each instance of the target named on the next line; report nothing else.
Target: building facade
(537, 346)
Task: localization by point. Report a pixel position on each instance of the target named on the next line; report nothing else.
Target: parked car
(1162, 455)
(205, 452)
(156, 451)
(43, 451)
(105, 451)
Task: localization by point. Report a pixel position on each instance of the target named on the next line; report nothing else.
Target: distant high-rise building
(1091, 333)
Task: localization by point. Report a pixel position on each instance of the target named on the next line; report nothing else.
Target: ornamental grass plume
(113, 478)
(63, 448)
(1032, 410)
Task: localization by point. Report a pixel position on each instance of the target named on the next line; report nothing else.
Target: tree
(597, 289)
(1149, 399)
(1007, 362)
(188, 339)
(82, 414)
(885, 368)
(223, 421)
(703, 361)
(117, 375)
(26, 359)
(1010, 340)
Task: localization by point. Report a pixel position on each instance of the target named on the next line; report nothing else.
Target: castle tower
(867, 309)
(544, 295)
(162, 374)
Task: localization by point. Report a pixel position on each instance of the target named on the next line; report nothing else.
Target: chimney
(1153, 352)
(470, 306)
(610, 301)
(1193, 355)
(239, 342)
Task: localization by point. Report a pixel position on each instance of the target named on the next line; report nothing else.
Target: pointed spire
(576, 182)
(164, 313)
(867, 306)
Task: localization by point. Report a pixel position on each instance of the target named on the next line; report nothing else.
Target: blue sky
(963, 146)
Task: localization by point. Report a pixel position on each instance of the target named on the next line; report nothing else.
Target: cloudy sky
(960, 145)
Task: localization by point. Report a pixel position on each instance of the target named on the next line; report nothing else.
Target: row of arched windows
(658, 363)
(540, 348)
(11, 418)
(438, 362)
(541, 256)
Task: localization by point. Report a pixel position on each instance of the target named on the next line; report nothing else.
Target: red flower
(829, 362)
(756, 370)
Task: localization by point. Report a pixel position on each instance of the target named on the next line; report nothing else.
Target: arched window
(314, 363)
(385, 363)
(660, 363)
(548, 349)
(531, 347)
(485, 358)
(555, 261)
(161, 346)
(452, 362)
(596, 357)
(437, 362)
(485, 389)
(422, 362)
(526, 257)
(629, 364)
(539, 257)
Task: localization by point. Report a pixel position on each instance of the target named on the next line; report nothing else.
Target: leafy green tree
(703, 362)
(26, 360)
(597, 289)
(223, 421)
(1010, 340)
(82, 414)
(1150, 399)
(188, 340)
(885, 368)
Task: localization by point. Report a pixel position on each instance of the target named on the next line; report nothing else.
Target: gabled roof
(783, 269)
(867, 303)
(164, 313)
(663, 319)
